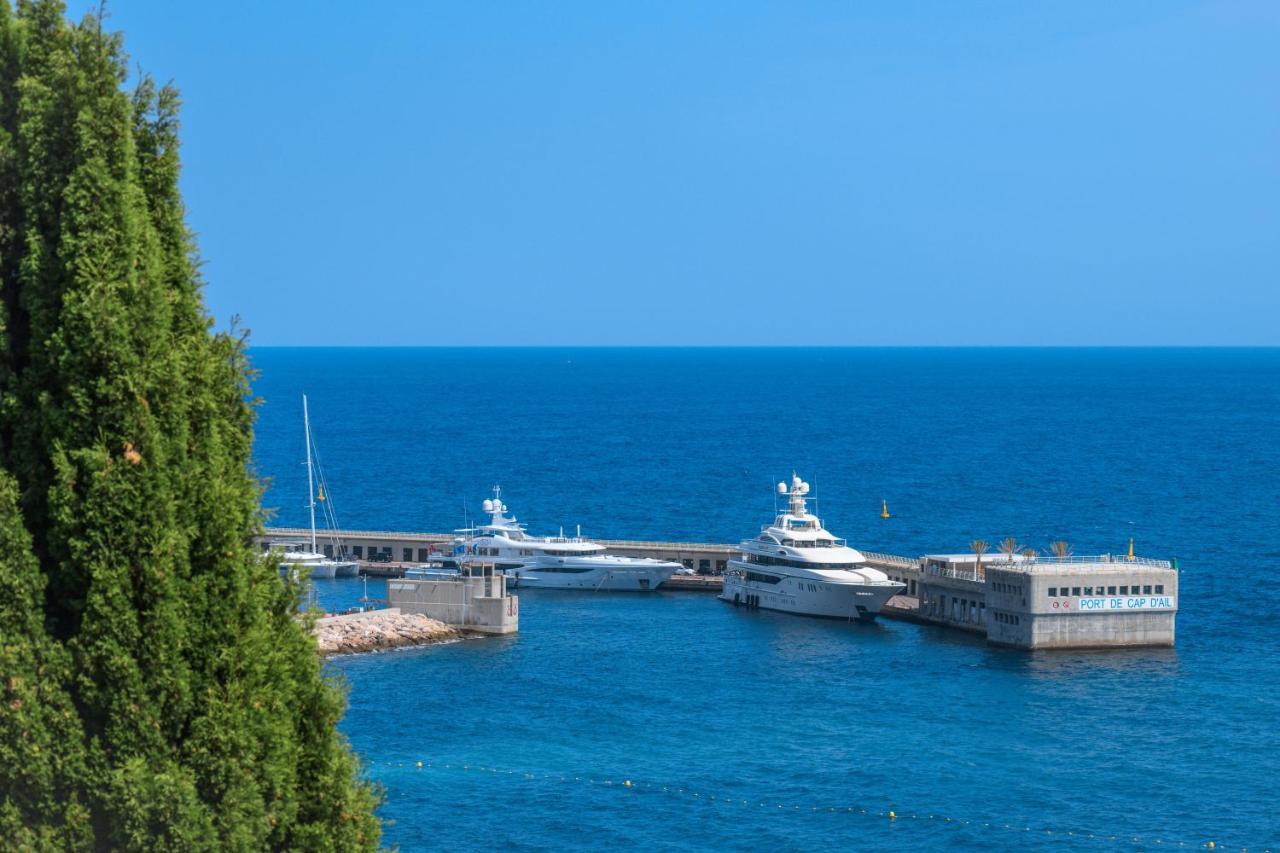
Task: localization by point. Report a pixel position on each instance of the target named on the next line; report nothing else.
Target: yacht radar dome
(782, 488)
(488, 506)
(796, 481)
(804, 488)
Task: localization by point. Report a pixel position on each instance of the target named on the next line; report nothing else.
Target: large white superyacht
(796, 566)
(553, 562)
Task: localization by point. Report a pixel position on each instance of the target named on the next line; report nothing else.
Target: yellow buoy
(419, 764)
(892, 816)
(627, 783)
(1210, 845)
(884, 509)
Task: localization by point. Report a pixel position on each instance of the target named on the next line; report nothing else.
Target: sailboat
(305, 557)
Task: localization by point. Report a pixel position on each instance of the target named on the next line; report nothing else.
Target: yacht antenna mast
(311, 489)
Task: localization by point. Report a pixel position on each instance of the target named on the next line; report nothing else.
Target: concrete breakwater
(371, 630)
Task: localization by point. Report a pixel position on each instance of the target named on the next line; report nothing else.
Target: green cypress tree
(180, 699)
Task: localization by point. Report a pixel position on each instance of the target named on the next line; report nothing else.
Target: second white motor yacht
(553, 562)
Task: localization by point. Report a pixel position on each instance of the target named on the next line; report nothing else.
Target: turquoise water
(806, 732)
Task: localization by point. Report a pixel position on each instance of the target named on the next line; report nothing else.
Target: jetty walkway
(387, 554)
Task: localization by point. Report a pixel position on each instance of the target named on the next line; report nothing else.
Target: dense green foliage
(156, 689)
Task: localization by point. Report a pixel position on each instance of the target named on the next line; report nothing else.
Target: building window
(1124, 590)
(408, 555)
(1088, 590)
(1159, 589)
(1075, 590)
(1146, 590)
(1053, 592)
(1111, 590)
(358, 551)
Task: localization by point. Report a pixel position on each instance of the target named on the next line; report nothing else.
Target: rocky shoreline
(350, 633)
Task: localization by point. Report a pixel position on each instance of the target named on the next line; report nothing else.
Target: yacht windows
(799, 564)
(756, 576)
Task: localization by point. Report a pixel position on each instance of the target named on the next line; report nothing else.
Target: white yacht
(553, 562)
(796, 566)
(305, 557)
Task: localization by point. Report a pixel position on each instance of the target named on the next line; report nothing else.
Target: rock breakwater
(378, 629)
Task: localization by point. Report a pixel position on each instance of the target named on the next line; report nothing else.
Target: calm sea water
(765, 731)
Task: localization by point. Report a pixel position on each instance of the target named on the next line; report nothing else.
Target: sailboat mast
(311, 490)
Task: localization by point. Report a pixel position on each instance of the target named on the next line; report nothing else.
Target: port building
(1102, 601)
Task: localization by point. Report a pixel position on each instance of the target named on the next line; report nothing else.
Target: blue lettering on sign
(1143, 603)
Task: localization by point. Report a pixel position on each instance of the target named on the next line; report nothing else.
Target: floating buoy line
(888, 815)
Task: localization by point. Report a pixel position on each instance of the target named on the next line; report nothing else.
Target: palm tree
(1060, 548)
(1009, 546)
(1029, 553)
(979, 547)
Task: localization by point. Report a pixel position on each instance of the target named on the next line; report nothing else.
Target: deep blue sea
(764, 731)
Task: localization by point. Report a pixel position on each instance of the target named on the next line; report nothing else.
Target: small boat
(305, 557)
(796, 566)
(551, 562)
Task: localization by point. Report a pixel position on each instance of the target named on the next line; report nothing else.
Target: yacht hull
(806, 597)
(322, 569)
(614, 578)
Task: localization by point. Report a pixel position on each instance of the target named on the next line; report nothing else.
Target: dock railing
(891, 559)
(958, 574)
(1117, 559)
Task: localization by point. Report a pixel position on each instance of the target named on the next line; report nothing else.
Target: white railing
(958, 574)
(1119, 559)
(891, 559)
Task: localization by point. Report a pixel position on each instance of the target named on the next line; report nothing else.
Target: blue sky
(915, 173)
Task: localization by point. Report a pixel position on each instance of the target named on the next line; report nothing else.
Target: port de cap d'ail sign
(1137, 602)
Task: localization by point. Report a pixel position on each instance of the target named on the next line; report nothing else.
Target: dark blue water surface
(766, 731)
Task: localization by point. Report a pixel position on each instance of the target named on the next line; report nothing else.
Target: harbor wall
(480, 603)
